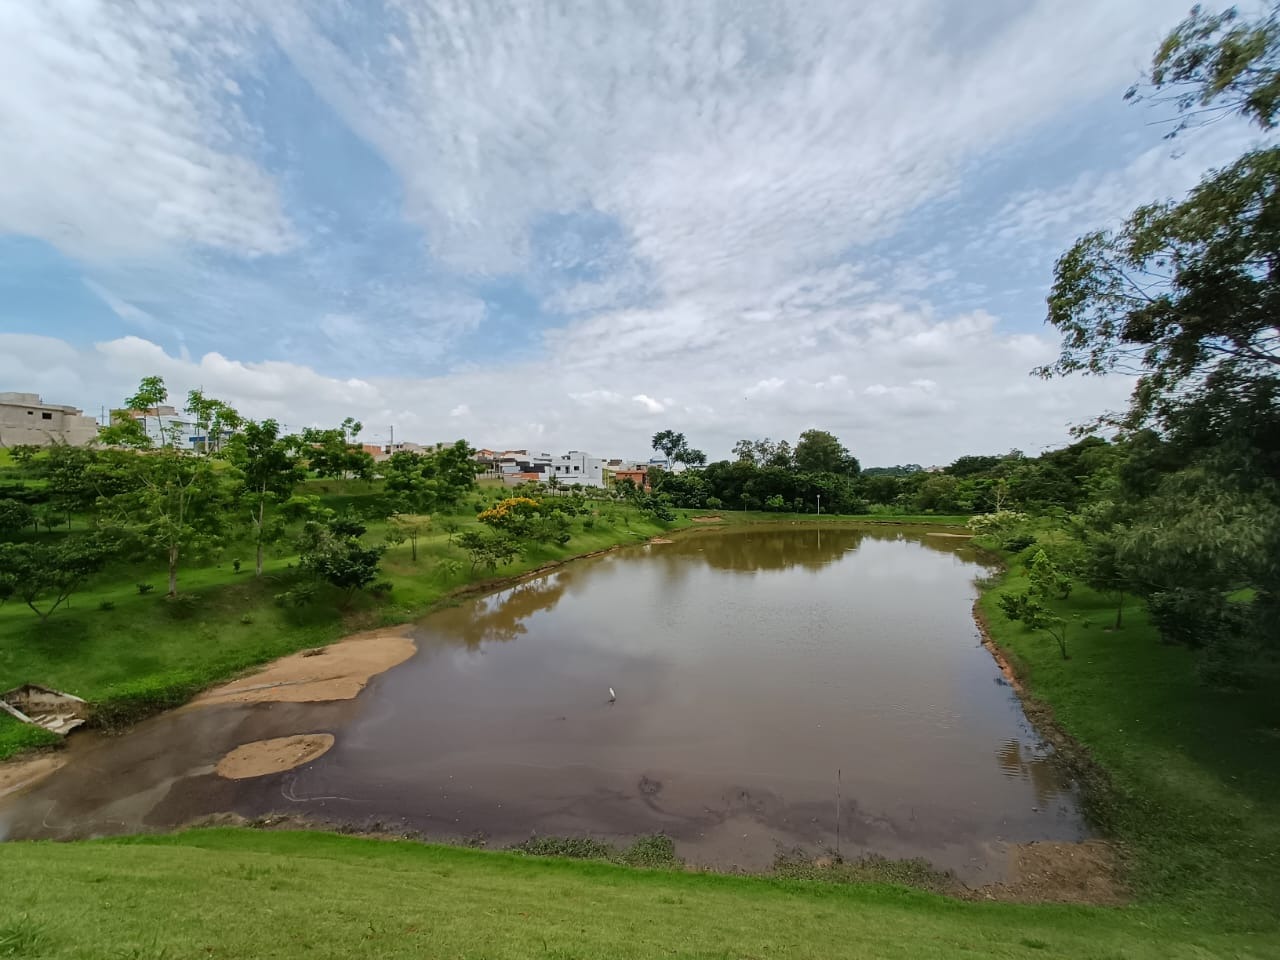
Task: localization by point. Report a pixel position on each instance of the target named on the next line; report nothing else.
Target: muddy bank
(18, 774)
(1069, 755)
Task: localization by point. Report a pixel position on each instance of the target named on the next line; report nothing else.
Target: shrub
(299, 596)
(381, 587)
(235, 565)
(145, 588)
(246, 618)
(589, 523)
(106, 605)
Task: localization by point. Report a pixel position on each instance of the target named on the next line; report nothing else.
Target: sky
(569, 225)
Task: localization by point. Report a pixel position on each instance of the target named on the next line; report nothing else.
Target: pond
(766, 681)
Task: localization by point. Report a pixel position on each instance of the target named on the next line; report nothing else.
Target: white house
(578, 467)
(165, 427)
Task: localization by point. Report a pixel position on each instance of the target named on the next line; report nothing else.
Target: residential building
(515, 467)
(639, 475)
(578, 467)
(166, 427)
(27, 419)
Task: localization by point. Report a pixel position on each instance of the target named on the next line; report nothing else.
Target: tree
(173, 503)
(818, 451)
(214, 418)
(1184, 295)
(269, 469)
(408, 527)
(150, 394)
(1212, 65)
(15, 516)
(330, 452)
(45, 575)
(1031, 606)
(125, 430)
(69, 476)
(491, 550)
(331, 551)
(669, 443)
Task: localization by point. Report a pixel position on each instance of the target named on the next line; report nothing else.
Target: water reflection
(1037, 768)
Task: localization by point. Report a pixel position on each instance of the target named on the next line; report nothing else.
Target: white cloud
(982, 399)
(748, 167)
(650, 404)
(734, 143)
(118, 136)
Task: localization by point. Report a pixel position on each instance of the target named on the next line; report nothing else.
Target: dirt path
(336, 672)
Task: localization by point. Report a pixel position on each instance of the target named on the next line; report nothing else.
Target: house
(639, 475)
(515, 467)
(26, 419)
(165, 427)
(576, 467)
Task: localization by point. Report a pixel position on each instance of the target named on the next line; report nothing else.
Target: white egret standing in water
(612, 696)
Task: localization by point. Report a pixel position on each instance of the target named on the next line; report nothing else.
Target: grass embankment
(229, 893)
(1193, 772)
(132, 653)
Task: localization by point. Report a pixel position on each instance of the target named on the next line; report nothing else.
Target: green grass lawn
(1194, 772)
(239, 894)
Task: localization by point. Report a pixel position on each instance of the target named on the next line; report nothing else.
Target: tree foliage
(44, 575)
(1184, 295)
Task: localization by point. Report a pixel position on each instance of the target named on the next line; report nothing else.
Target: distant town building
(166, 427)
(26, 419)
(639, 475)
(515, 467)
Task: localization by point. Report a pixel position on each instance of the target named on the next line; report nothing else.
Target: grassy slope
(227, 893)
(146, 652)
(1195, 772)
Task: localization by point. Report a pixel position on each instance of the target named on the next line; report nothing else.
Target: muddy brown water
(753, 669)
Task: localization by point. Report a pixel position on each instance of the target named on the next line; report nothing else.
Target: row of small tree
(144, 496)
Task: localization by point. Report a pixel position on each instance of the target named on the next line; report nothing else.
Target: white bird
(612, 696)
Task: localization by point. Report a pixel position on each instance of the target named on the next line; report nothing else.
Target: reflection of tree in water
(1039, 771)
(503, 615)
(771, 550)
(811, 547)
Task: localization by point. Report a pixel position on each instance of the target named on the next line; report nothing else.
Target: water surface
(759, 673)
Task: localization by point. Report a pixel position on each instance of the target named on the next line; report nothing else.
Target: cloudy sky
(572, 224)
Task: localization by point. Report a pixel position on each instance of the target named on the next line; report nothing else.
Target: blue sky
(574, 224)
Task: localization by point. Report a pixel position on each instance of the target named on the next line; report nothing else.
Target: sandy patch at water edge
(336, 672)
(263, 757)
(22, 773)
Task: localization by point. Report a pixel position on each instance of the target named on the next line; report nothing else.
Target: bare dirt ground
(263, 757)
(1045, 872)
(336, 672)
(16, 775)
(707, 519)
